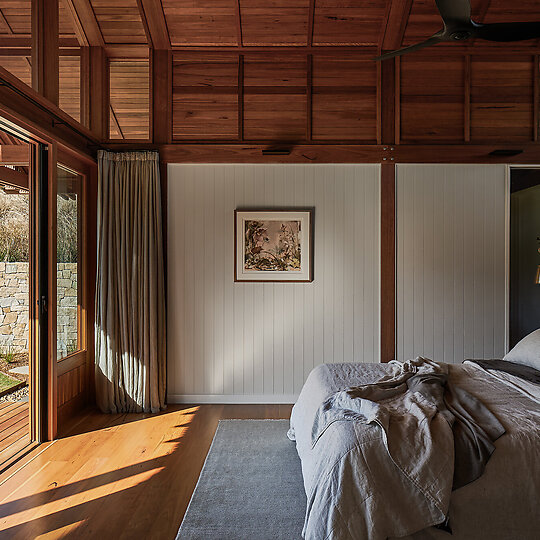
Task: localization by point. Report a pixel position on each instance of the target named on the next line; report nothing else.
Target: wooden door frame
(82, 360)
(47, 429)
(39, 402)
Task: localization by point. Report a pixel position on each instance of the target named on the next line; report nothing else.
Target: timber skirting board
(235, 399)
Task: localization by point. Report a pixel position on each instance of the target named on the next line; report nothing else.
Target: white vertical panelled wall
(451, 261)
(257, 342)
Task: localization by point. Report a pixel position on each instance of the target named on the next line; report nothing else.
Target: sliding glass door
(23, 292)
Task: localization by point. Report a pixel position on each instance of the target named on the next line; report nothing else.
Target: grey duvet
(362, 484)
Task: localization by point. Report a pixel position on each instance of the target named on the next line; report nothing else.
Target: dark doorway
(524, 252)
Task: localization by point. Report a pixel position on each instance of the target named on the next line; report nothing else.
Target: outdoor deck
(14, 428)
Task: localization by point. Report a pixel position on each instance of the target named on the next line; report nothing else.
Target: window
(69, 263)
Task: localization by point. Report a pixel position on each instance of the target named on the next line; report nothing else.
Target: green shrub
(7, 354)
(66, 248)
(14, 233)
(14, 228)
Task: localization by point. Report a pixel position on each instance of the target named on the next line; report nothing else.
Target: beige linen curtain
(130, 298)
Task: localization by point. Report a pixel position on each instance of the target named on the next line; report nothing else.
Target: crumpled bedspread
(391, 452)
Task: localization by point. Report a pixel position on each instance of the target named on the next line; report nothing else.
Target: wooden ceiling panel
(424, 20)
(130, 104)
(344, 94)
(274, 22)
(202, 22)
(65, 20)
(502, 93)
(275, 105)
(120, 21)
(70, 85)
(268, 71)
(206, 71)
(504, 11)
(349, 22)
(432, 99)
(204, 116)
(7, 139)
(20, 66)
(275, 117)
(205, 96)
(17, 16)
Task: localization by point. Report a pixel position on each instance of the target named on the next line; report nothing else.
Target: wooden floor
(14, 428)
(116, 476)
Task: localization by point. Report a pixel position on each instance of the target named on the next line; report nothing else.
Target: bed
(353, 486)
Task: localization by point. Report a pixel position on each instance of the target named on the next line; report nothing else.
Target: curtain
(130, 352)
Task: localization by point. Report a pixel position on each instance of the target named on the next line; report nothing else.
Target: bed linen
(354, 493)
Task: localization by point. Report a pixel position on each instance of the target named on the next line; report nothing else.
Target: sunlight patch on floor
(76, 499)
(98, 452)
(61, 532)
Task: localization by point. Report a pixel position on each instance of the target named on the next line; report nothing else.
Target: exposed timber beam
(398, 15)
(85, 22)
(24, 41)
(32, 112)
(16, 155)
(161, 66)
(389, 116)
(13, 178)
(98, 95)
(388, 262)
(45, 48)
(251, 152)
(154, 23)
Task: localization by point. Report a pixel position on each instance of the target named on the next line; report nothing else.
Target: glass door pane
(16, 364)
(69, 282)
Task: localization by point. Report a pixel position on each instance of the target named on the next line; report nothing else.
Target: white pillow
(527, 351)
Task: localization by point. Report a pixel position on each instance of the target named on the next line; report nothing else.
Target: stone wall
(66, 309)
(14, 307)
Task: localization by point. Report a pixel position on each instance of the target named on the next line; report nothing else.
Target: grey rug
(250, 487)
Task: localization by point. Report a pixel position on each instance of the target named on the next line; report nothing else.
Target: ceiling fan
(458, 26)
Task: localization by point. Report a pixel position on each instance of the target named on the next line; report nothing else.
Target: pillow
(527, 351)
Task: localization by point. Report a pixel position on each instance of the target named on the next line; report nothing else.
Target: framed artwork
(273, 245)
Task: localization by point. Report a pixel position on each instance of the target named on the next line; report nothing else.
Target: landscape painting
(273, 245)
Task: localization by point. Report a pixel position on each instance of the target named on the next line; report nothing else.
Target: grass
(7, 382)
(7, 355)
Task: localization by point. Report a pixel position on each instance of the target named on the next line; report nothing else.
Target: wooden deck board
(14, 428)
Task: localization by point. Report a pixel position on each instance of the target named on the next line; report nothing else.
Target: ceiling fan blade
(504, 32)
(455, 12)
(433, 40)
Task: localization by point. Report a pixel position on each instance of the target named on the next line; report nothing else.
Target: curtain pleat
(130, 289)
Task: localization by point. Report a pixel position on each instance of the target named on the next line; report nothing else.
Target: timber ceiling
(294, 70)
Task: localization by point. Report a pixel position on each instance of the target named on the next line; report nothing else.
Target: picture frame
(273, 245)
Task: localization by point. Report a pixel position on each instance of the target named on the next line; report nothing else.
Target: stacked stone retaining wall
(14, 307)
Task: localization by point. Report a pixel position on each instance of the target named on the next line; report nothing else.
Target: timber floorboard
(124, 476)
